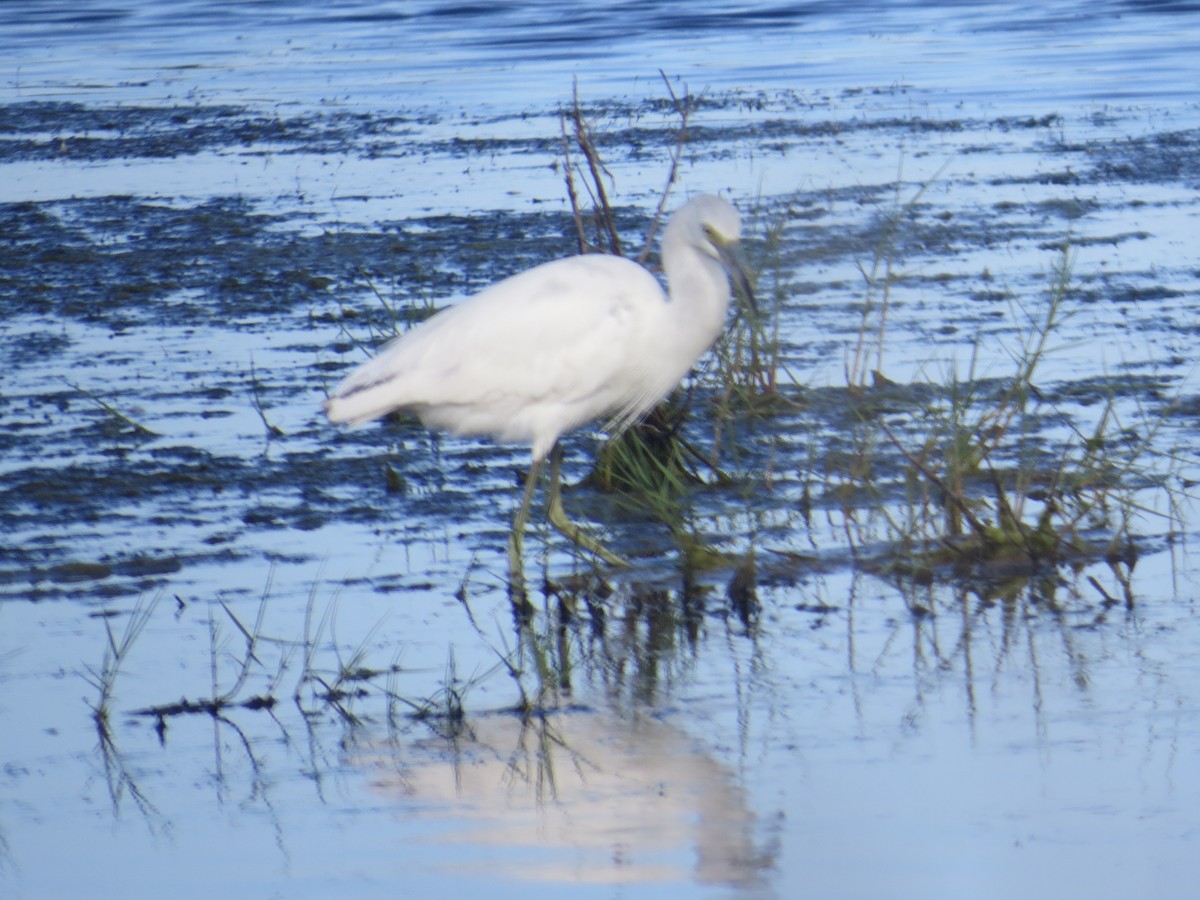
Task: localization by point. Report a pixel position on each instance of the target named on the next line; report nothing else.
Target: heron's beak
(731, 258)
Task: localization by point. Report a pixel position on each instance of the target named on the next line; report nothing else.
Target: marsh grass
(993, 474)
(333, 678)
(395, 315)
(119, 424)
(652, 466)
(645, 464)
(630, 646)
(968, 469)
(584, 172)
(273, 430)
(220, 699)
(750, 370)
(116, 652)
(448, 703)
(864, 362)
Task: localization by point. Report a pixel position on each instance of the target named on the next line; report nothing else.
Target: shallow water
(202, 208)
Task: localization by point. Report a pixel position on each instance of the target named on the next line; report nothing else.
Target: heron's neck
(699, 292)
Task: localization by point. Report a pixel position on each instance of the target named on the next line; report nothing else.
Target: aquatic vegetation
(991, 470)
(117, 424)
(648, 458)
(910, 604)
(865, 358)
(963, 468)
(652, 465)
(116, 651)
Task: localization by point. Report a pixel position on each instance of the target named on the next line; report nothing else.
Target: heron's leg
(516, 537)
(567, 528)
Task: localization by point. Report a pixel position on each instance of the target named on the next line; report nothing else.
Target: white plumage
(554, 347)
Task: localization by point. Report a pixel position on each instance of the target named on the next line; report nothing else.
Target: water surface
(207, 206)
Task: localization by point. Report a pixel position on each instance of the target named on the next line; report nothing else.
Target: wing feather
(527, 358)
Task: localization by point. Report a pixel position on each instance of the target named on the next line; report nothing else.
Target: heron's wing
(565, 340)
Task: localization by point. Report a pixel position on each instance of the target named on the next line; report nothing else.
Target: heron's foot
(572, 532)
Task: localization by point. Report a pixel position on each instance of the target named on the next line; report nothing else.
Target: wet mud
(93, 288)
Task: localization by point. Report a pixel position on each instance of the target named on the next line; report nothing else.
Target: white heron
(552, 348)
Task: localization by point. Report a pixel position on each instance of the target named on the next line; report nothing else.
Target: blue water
(850, 747)
(479, 56)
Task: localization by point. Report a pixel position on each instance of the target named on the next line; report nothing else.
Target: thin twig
(140, 429)
(683, 108)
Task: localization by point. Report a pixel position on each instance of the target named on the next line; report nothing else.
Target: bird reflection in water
(580, 796)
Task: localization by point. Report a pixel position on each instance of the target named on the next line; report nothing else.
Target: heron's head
(715, 228)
